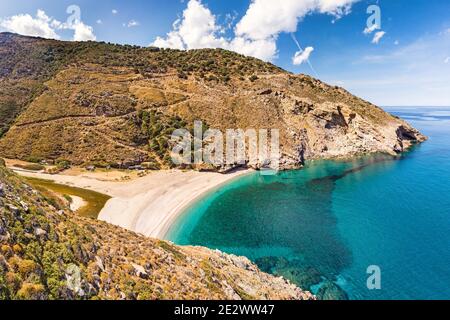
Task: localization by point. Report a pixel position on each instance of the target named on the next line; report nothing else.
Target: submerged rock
(331, 291)
(294, 271)
(269, 264)
(304, 277)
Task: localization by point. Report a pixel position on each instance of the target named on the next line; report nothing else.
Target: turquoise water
(321, 227)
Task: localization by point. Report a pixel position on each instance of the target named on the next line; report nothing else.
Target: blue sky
(409, 65)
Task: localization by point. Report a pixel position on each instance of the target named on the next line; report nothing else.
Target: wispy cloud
(410, 74)
(230, 19)
(114, 11)
(133, 23)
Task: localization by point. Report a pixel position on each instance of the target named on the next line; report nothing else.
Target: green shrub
(4, 292)
(30, 167)
(63, 164)
(68, 198)
(33, 159)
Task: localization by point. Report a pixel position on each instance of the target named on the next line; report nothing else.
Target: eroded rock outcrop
(117, 106)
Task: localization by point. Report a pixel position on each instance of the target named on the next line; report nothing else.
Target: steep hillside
(42, 245)
(117, 105)
(25, 64)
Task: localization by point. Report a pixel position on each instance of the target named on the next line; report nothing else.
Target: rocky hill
(111, 105)
(43, 248)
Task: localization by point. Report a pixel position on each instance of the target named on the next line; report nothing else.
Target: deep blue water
(322, 226)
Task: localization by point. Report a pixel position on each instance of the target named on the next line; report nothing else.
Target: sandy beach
(147, 205)
(77, 203)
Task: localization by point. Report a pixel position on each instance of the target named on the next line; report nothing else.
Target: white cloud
(447, 60)
(25, 24)
(337, 8)
(377, 37)
(82, 32)
(44, 26)
(256, 33)
(173, 41)
(264, 49)
(197, 29)
(99, 21)
(133, 23)
(396, 42)
(267, 18)
(302, 56)
(114, 11)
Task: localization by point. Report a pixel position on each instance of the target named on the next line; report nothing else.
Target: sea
(376, 227)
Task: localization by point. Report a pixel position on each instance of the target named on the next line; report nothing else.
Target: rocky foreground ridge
(43, 244)
(110, 105)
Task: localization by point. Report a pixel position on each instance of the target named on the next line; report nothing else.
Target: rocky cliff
(46, 252)
(114, 105)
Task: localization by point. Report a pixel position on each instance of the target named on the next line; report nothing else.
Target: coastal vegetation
(107, 105)
(102, 105)
(30, 167)
(47, 252)
(94, 201)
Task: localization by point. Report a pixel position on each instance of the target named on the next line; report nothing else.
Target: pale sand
(77, 203)
(148, 205)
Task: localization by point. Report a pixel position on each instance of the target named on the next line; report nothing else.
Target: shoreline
(165, 228)
(151, 204)
(77, 203)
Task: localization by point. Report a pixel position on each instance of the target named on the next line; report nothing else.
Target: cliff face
(117, 105)
(43, 248)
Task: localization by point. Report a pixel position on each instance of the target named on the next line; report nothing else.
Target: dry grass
(87, 98)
